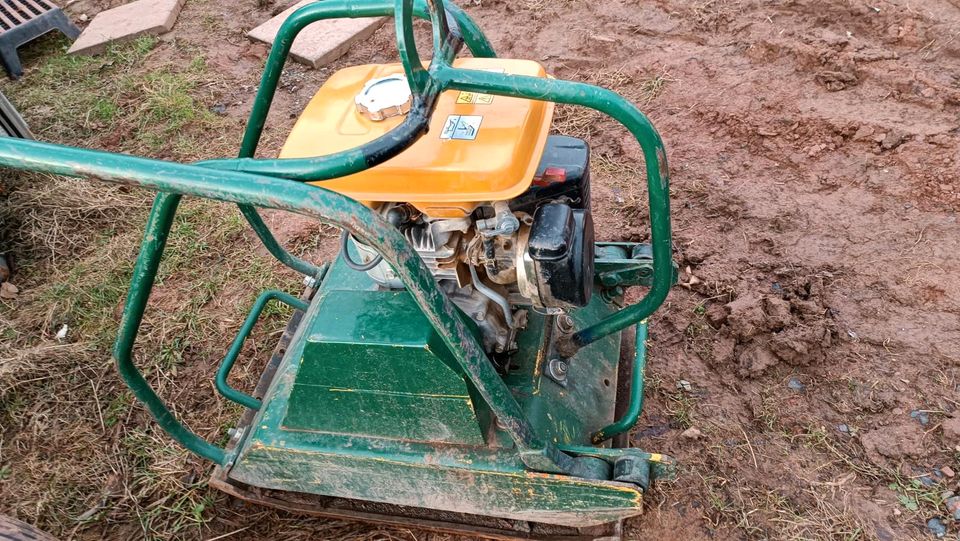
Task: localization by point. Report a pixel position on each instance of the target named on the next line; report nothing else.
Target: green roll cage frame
(272, 184)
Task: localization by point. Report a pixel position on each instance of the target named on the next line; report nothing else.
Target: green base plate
(365, 406)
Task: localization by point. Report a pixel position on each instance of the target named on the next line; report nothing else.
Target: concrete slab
(323, 41)
(126, 22)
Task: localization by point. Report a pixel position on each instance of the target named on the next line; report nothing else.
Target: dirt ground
(805, 372)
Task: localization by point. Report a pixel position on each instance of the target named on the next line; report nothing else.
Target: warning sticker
(474, 97)
(463, 127)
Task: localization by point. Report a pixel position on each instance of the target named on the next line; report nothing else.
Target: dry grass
(55, 215)
(77, 456)
(585, 123)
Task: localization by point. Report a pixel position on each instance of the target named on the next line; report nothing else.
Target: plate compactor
(462, 364)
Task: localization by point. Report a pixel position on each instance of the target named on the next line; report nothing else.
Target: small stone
(321, 42)
(796, 385)
(936, 527)
(604, 39)
(685, 386)
(843, 428)
(891, 140)
(920, 416)
(126, 23)
(219, 109)
(925, 479)
(948, 471)
(863, 133)
(953, 506)
(8, 291)
(928, 92)
(692, 434)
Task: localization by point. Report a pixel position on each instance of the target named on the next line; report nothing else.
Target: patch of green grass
(78, 248)
(680, 406)
(176, 504)
(111, 96)
(168, 102)
(105, 109)
(71, 95)
(88, 295)
(915, 496)
(117, 408)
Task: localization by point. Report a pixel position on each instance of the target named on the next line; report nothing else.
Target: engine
(533, 252)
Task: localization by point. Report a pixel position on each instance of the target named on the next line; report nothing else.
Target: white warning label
(463, 127)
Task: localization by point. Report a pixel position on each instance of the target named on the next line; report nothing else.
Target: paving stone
(126, 22)
(321, 42)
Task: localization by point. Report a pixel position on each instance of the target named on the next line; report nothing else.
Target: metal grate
(13, 13)
(22, 21)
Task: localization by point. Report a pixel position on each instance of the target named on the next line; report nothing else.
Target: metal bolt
(557, 369)
(565, 323)
(309, 281)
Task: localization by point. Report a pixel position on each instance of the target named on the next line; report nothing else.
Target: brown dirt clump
(814, 152)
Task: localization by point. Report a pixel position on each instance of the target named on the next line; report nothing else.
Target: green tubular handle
(174, 180)
(472, 35)
(226, 366)
(221, 180)
(145, 271)
(655, 161)
(442, 76)
(635, 406)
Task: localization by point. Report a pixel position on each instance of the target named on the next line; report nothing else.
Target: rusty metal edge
(327, 507)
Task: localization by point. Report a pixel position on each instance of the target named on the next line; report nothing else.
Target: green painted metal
(525, 464)
(373, 366)
(355, 458)
(226, 366)
(623, 264)
(325, 206)
(661, 466)
(635, 406)
(613, 105)
(144, 273)
(566, 415)
(476, 42)
(273, 246)
(465, 487)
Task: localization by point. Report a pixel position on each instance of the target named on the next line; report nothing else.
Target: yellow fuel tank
(479, 147)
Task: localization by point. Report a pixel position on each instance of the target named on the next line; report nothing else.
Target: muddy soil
(814, 340)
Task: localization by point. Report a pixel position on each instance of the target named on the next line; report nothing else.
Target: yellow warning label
(474, 97)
